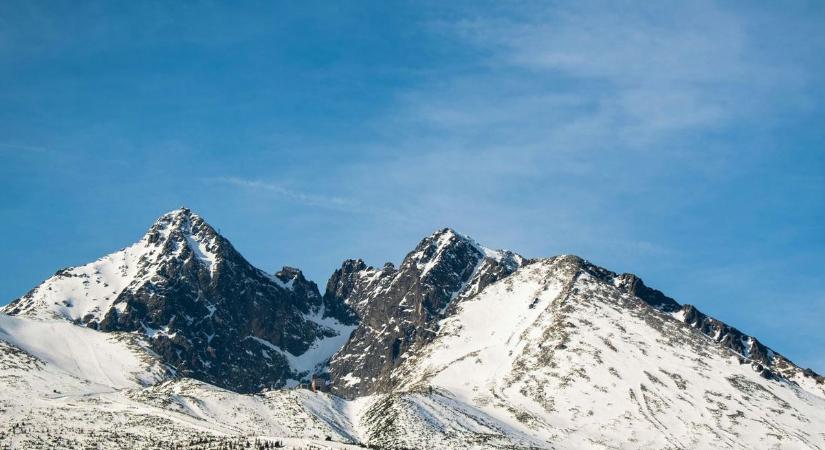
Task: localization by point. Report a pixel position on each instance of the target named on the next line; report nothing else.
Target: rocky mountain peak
(181, 221)
(205, 310)
(183, 234)
(397, 309)
(442, 247)
(293, 279)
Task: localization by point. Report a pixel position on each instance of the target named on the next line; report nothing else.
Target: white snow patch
(85, 353)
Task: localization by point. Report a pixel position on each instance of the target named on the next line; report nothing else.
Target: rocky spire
(398, 309)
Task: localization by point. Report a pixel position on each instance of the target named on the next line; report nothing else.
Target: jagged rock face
(208, 312)
(769, 363)
(341, 286)
(397, 309)
(634, 286)
(766, 361)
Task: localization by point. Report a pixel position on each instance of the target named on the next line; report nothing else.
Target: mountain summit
(209, 313)
(398, 309)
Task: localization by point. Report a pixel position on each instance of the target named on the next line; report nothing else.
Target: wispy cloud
(576, 109)
(635, 72)
(332, 202)
(18, 148)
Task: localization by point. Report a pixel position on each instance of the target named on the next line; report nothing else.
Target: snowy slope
(109, 360)
(65, 386)
(572, 362)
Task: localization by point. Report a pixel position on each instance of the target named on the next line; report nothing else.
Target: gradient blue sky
(684, 141)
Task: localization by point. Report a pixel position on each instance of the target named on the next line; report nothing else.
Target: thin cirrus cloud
(601, 98)
(19, 148)
(335, 203)
(641, 72)
(322, 201)
(559, 94)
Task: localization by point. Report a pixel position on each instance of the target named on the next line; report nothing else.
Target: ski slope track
(177, 342)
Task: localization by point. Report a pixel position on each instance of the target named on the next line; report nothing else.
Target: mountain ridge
(479, 267)
(459, 345)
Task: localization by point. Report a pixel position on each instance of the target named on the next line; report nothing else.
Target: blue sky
(680, 141)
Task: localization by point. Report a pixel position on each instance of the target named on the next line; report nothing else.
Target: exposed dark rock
(398, 309)
(634, 285)
(209, 313)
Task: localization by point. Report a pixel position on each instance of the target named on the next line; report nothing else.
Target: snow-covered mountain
(202, 307)
(562, 354)
(177, 340)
